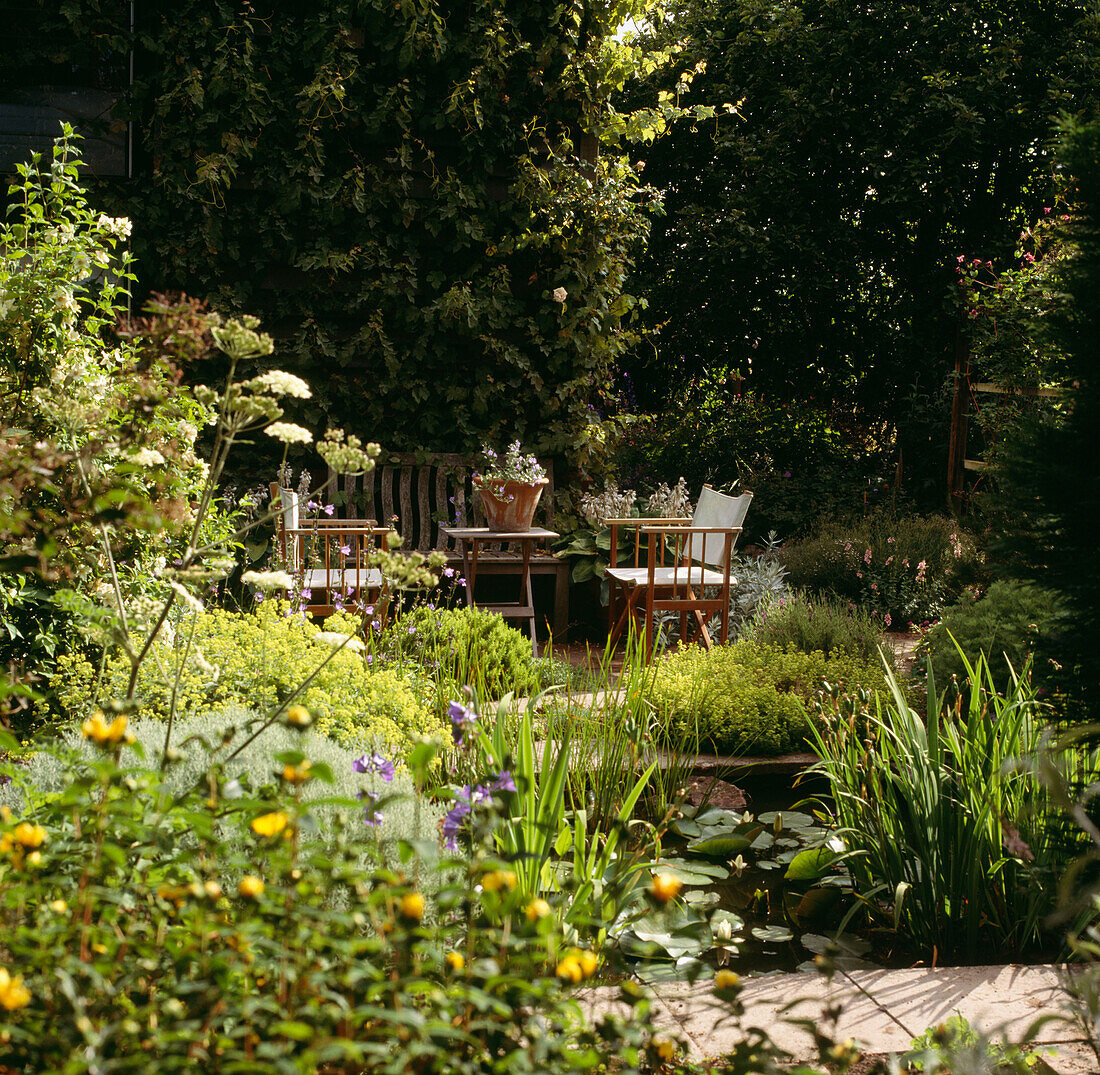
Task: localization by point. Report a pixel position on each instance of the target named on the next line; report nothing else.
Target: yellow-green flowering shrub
(456, 647)
(214, 658)
(748, 697)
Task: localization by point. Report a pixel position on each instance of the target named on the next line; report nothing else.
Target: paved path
(882, 1009)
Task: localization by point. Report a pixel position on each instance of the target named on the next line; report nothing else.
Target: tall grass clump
(952, 835)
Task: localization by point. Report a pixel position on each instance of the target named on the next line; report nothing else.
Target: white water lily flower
(289, 433)
(268, 580)
(281, 383)
(338, 640)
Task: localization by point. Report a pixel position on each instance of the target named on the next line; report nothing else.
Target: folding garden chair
(327, 557)
(683, 556)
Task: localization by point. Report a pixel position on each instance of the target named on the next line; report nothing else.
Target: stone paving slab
(882, 1009)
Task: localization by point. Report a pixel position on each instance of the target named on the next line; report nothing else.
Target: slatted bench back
(424, 493)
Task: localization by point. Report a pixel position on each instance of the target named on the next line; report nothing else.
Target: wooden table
(470, 538)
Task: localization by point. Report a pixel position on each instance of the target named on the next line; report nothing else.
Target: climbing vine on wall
(407, 193)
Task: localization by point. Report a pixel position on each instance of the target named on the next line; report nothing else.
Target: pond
(763, 890)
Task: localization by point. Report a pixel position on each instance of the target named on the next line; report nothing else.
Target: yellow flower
(495, 880)
(589, 962)
(59, 906)
(173, 893)
(250, 887)
(270, 824)
(29, 835)
(726, 981)
(537, 909)
(13, 993)
(569, 970)
(213, 890)
(299, 716)
(663, 1046)
(99, 731)
(298, 774)
(456, 961)
(6, 843)
(412, 906)
(665, 887)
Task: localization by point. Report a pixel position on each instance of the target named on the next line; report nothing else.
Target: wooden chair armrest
(639, 521)
(691, 529)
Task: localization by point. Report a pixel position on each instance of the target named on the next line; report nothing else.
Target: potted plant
(510, 485)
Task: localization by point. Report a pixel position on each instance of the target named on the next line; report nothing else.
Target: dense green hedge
(395, 190)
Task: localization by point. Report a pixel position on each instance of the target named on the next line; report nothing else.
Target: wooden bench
(425, 492)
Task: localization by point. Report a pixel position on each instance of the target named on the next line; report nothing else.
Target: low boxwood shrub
(1008, 623)
(465, 646)
(750, 697)
(905, 569)
(211, 659)
(822, 623)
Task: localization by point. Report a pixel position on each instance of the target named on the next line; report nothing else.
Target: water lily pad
(767, 864)
(811, 864)
(694, 873)
(698, 897)
(763, 842)
(686, 827)
(721, 847)
(772, 934)
(816, 902)
(716, 816)
(794, 819)
(848, 944)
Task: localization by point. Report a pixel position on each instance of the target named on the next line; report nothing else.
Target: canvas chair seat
(696, 575)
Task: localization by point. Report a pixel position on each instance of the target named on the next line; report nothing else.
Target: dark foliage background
(807, 254)
(395, 189)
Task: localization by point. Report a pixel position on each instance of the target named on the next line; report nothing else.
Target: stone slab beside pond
(882, 1009)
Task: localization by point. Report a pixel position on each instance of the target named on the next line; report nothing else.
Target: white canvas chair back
(715, 509)
(288, 523)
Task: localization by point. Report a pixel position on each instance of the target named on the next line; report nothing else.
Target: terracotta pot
(510, 506)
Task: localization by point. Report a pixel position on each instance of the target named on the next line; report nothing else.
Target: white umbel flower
(268, 580)
(281, 383)
(289, 433)
(339, 641)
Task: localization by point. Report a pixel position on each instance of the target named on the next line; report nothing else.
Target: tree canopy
(810, 247)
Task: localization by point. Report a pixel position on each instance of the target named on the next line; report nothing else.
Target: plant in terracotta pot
(510, 485)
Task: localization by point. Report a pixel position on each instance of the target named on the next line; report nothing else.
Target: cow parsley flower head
(289, 433)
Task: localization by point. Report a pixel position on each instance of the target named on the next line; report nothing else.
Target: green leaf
(772, 934)
(810, 865)
(721, 847)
